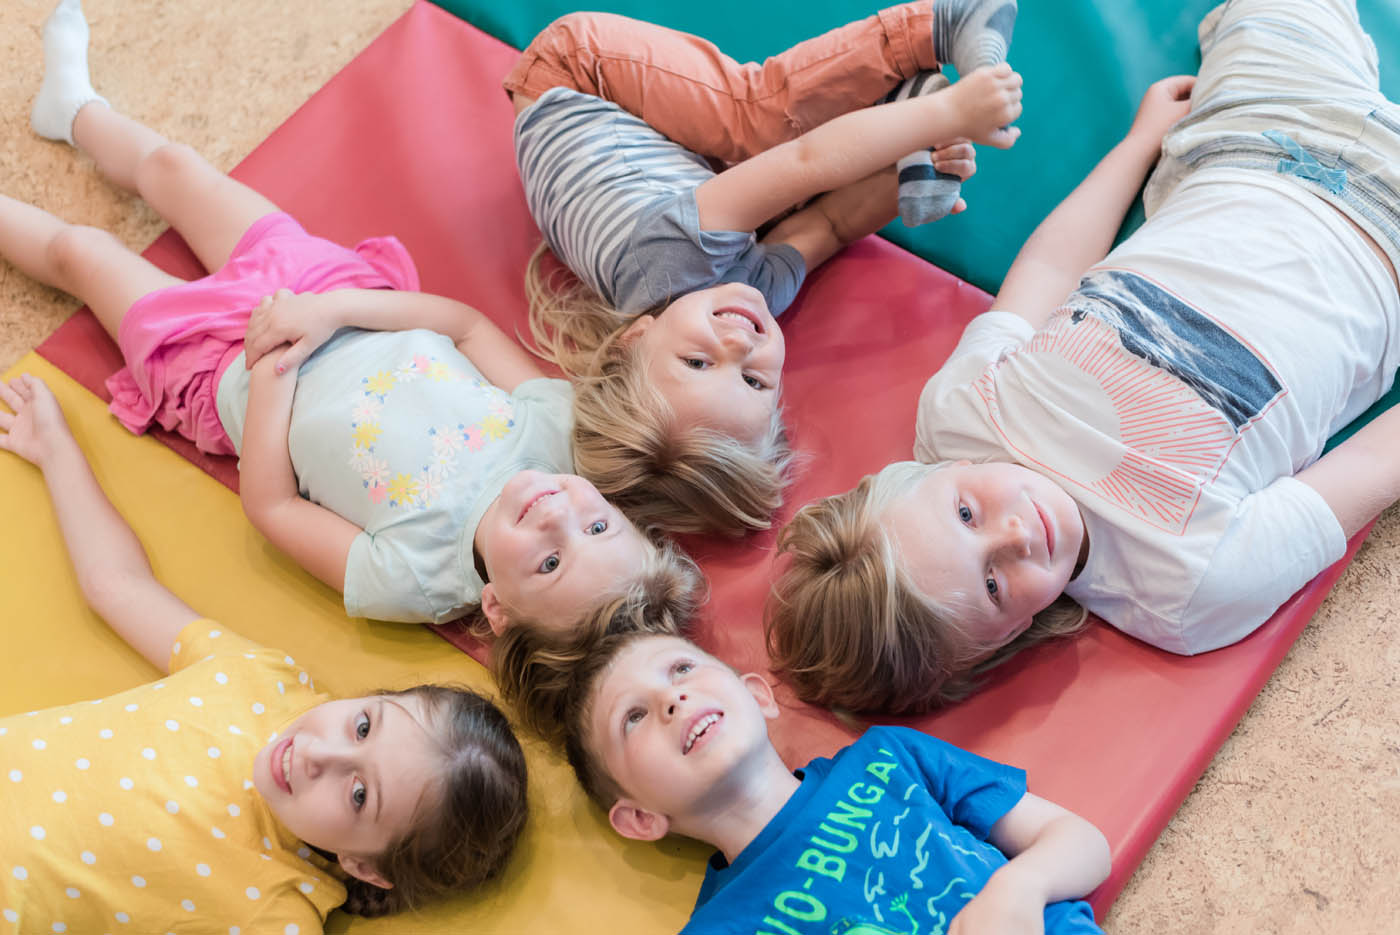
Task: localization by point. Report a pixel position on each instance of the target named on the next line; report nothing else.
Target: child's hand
(304, 322)
(987, 102)
(956, 158)
(1004, 907)
(37, 427)
(1165, 102)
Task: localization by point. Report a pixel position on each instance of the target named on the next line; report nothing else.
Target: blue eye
(549, 564)
(635, 716)
(754, 382)
(992, 589)
(964, 513)
(694, 363)
(358, 795)
(598, 528)
(681, 668)
(362, 726)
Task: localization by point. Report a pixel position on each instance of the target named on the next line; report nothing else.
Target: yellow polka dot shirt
(137, 813)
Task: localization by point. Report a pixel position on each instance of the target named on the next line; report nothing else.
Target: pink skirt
(178, 341)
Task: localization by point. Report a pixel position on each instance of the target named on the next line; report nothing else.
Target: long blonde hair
(848, 629)
(664, 475)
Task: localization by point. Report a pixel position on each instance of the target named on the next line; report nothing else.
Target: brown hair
(535, 667)
(627, 441)
(464, 830)
(848, 629)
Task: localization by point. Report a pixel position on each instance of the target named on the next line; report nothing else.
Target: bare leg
(82, 261)
(209, 209)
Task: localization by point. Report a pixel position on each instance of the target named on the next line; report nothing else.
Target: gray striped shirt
(615, 200)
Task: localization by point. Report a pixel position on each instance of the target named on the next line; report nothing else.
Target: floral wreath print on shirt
(417, 490)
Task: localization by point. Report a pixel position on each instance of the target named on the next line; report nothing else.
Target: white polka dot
(3, 732)
(105, 733)
(191, 782)
(72, 892)
(20, 873)
(196, 701)
(82, 762)
(172, 724)
(172, 807)
(291, 928)
(233, 811)
(202, 869)
(187, 905)
(153, 843)
(217, 833)
(95, 701)
(149, 753)
(37, 832)
(66, 719)
(106, 819)
(252, 892)
(303, 852)
(267, 844)
(221, 678)
(138, 881)
(215, 634)
(123, 917)
(289, 660)
(258, 707)
(89, 858)
(247, 783)
(60, 796)
(302, 677)
(249, 656)
(305, 888)
(126, 783)
(264, 857)
(157, 686)
(213, 753)
(176, 648)
(132, 707)
(281, 689)
(31, 713)
(16, 775)
(234, 930)
(11, 915)
(39, 744)
(60, 927)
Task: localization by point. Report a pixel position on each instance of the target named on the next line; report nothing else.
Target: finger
(9, 395)
(7, 421)
(294, 357)
(1180, 86)
(959, 206)
(962, 168)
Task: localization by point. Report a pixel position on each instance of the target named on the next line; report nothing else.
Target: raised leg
(693, 93)
(82, 261)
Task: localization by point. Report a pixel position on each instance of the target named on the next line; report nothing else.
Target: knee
(71, 251)
(166, 162)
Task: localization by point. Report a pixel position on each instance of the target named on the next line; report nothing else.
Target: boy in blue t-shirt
(897, 834)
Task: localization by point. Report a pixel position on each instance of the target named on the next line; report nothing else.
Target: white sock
(66, 86)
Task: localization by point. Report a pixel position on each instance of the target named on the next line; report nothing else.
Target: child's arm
(111, 566)
(316, 538)
(1361, 476)
(1080, 231)
(853, 211)
(1055, 855)
(854, 145)
(307, 321)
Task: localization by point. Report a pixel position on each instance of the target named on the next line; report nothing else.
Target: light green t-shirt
(397, 432)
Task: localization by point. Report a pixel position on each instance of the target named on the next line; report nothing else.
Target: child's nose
(1015, 537)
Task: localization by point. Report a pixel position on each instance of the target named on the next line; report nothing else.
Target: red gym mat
(413, 138)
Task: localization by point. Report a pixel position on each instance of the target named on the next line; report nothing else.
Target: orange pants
(690, 91)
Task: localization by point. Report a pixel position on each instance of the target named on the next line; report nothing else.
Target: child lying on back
(898, 832)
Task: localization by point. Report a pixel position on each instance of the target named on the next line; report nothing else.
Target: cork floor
(1294, 828)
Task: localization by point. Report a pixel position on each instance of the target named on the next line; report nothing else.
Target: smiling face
(553, 546)
(349, 775)
(716, 355)
(997, 541)
(678, 731)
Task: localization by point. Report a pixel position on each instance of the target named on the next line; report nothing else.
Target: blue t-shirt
(886, 838)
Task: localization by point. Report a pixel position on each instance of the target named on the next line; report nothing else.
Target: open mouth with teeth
(740, 316)
(700, 729)
(531, 505)
(280, 765)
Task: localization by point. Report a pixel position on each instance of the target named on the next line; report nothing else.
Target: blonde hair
(847, 627)
(627, 441)
(534, 666)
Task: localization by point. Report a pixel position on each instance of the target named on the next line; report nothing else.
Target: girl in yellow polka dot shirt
(229, 796)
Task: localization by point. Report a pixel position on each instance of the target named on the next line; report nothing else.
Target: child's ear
(494, 610)
(762, 693)
(362, 869)
(639, 327)
(632, 821)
